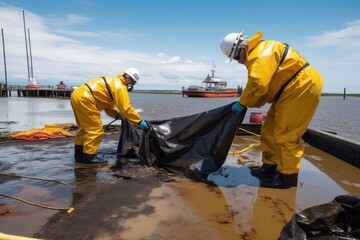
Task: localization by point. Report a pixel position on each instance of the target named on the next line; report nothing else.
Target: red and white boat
(32, 84)
(212, 88)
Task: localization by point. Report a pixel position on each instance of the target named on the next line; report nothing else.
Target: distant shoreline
(179, 92)
(341, 94)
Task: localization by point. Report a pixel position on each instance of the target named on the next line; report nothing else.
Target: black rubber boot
(79, 153)
(93, 158)
(265, 171)
(280, 181)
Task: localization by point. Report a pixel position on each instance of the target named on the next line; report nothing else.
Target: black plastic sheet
(339, 219)
(194, 145)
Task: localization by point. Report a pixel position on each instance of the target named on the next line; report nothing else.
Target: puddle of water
(181, 210)
(51, 159)
(236, 208)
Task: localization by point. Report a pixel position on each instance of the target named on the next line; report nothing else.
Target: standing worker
(277, 74)
(88, 100)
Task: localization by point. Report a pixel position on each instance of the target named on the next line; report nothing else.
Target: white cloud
(349, 37)
(62, 52)
(57, 56)
(174, 59)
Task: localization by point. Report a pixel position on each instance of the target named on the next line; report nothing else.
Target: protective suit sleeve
(122, 101)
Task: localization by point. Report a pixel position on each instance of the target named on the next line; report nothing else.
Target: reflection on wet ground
(236, 208)
(51, 159)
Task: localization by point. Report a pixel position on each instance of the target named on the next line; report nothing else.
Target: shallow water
(46, 160)
(239, 202)
(236, 209)
(18, 113)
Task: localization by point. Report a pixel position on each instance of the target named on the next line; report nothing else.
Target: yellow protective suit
(87, 106)
(291, 110)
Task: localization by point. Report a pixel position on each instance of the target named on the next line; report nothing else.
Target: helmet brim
(237, 45)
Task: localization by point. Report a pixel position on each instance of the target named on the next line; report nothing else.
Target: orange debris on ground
(40, 134)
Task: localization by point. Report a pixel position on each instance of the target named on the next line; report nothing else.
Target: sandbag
(194, 145)
(339, 219)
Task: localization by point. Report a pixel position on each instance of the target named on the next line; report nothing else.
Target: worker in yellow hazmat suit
(104, 93)
(279, 75)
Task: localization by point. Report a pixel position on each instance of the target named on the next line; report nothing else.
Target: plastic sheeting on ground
(194, 145)
(339, 219)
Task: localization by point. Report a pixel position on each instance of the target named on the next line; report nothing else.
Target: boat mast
(31, 62)
(26, 45)
(3, 43)
(213, 70)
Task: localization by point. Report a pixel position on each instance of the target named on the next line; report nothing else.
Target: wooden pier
(49, 92)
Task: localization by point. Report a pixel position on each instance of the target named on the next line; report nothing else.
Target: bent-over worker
(279, 75)
(88, 100)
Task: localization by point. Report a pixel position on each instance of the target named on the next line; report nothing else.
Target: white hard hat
(230, 43)
(133, 73)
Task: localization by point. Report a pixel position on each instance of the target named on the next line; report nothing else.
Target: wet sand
(148, 203)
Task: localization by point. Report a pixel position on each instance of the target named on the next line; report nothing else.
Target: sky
(173, 43)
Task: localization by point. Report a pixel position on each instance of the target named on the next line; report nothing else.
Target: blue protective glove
(237, 107)
(143, 125)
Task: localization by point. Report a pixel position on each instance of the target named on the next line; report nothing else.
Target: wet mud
(135, 202)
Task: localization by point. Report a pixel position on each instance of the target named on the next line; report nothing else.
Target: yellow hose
(244, 130)
(247, 148)
(69, 210)
(244, 149)
(4, 236)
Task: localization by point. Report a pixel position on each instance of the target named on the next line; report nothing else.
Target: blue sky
(174, 43)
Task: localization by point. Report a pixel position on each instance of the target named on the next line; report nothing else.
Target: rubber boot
(93, 158)
(79, 153)
(263, 172)
(280, 181)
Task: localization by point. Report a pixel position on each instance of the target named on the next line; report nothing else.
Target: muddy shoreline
(138, 202)
(105, 205)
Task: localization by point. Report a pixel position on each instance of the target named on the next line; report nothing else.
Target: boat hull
(211, 94)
